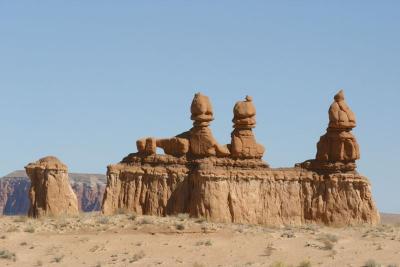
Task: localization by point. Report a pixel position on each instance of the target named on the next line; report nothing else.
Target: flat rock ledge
(238, 191)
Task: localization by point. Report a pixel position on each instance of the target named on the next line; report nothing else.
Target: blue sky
(83, 80)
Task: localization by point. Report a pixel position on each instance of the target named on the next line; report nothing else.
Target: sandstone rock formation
(14, 192)
(338, 149)
(50, 193)
(236, 186)
(197, 142)
(244, 143)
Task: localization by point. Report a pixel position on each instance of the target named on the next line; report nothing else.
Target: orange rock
(175, 146)
(197, 142)
(340, 115)
(338, 149)
(243, 143)
(50, 193)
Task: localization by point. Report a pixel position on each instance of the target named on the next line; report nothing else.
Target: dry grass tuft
(371, 263)
(29, 229)
(139, 255)
(183, 216)
(305, 263)
(7, 255)
(146, 220)
(328, 240)
(180, 226)
(268, 250)
(21, 219)
(278, 264)
(103, 220)
(58, 258)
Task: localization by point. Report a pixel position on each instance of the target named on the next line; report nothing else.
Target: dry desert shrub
(29, 229)
(139, 255)
(328, 240)
(132, 216)
(146, 220)
(183, 216)
(268, 250)
(200, 220)
(12, 228)
(305, 263)
(103, 220)
(58, 258)
(21, 219)
(371, 263)
(180, 226)
(7, 255)
(278, 264)
(204, 243)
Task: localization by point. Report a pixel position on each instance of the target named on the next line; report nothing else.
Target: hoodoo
(50, 193)
(338, 149)
(231, 183)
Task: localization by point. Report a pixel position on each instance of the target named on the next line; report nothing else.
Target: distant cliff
(14, 187)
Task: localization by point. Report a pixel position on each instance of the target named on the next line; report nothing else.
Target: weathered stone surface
(240, 191)
(338, 149)
(50, 192)
(340, 114)
(244, 144)
(155, 185)
(197, 142)
(232, 184)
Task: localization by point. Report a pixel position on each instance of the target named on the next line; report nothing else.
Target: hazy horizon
(84, 80)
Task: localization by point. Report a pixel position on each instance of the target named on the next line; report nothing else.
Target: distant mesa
(231, 183)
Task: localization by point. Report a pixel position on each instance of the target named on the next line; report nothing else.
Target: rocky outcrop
(156, 185)
(50, 192)
(338, 149)
(236, 186)
(14, 191)
(243, 144)
(240, 191)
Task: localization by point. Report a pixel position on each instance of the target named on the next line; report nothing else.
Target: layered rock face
(231, 183)
(50, 193)
(14, 192)
(14, 195)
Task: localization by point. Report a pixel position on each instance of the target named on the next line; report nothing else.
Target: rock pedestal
(232, 184)
(50, 193)
(338, 149)
(244, 143)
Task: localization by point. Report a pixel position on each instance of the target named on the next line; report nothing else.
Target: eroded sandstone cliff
(232, 184)
(240, 191)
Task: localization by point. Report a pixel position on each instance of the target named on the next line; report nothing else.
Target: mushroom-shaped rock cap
(339, 96)
(201, 108)
(49, 162)
(244, 109)
(340, 114)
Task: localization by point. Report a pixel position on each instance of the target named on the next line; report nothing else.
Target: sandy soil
(129, 240)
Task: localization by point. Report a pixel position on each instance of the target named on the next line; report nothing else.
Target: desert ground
(92, 239)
